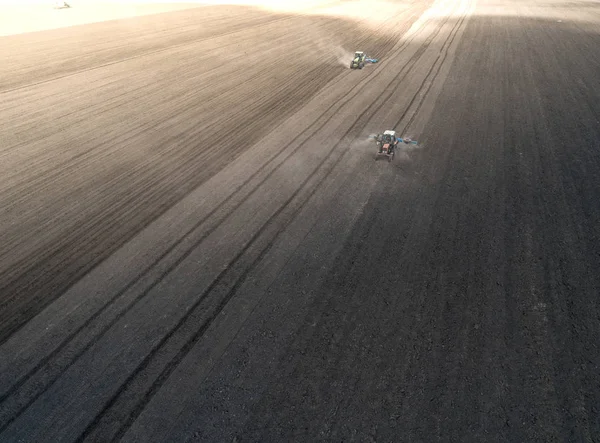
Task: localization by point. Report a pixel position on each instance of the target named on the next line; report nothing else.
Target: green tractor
(358, 62)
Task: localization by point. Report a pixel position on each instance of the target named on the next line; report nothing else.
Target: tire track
(430, 77)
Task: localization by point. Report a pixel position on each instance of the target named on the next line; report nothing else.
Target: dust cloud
(327, 46)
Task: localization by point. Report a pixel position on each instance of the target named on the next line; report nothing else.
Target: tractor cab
(389, 137)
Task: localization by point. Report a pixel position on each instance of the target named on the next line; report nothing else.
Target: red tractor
(386, 144)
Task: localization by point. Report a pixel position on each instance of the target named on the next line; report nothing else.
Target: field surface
(197, 243)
